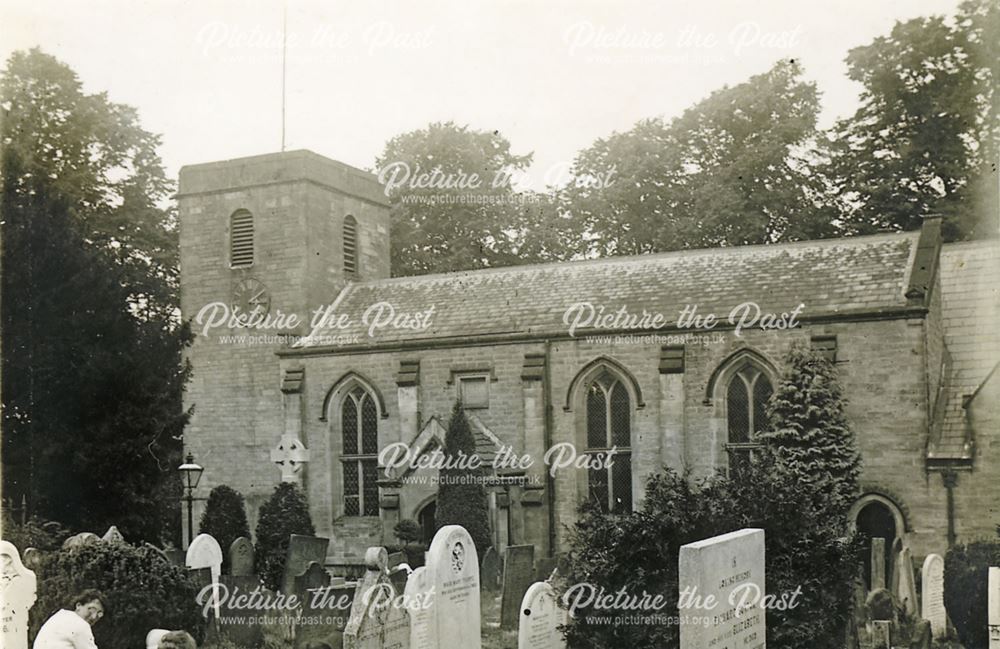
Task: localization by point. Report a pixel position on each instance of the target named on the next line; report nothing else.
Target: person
(71, 629)
(17, 595)
(177, 640)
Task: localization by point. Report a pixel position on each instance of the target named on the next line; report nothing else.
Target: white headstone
(721, 590)
(538, 626)
(423, 620)
(377, 620)
(153, 638)
(453, 565)
(17, 595)
(932, 595)
(993, 607)
(204, 552)
(113, 536)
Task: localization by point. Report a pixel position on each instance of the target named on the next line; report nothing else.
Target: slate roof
(970, 309)
(829, 276)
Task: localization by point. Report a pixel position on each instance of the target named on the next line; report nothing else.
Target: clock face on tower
(250, 297)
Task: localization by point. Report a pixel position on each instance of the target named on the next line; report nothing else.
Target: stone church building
(550, 354)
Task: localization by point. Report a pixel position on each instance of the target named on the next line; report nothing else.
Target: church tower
(278, 235)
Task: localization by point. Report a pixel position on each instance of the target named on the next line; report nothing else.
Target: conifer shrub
(808, 431)
(225, 518)
(461, 496)
(143, 589)
(285, 513)
(966, 571)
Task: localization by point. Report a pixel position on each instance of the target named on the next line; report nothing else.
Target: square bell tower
(275, 234)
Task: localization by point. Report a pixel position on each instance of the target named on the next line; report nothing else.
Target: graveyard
(457, 598)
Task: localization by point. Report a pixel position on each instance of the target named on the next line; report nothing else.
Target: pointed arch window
(609, 425)
(350, 245)
(241, 235)
(747, 395)
(359, 453)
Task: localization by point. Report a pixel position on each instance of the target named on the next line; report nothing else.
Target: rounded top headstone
(204, 552)
(376, 558)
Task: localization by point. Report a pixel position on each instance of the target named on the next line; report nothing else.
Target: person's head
(90, 605)
(177, 640)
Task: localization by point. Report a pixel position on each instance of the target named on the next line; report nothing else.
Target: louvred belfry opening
(241, 239)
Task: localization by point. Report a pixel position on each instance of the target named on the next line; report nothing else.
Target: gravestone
(932, 595)
(730, 569)
(489, 572)
(375, 622)
(113, 536)
(301, 551)
(241, 557)
(518, 575)
(453, 565)
(906, 588)
(17, 595)
(238, 623)
(176, 556)
(878, 563)
(155, 550)
(544, 568)
(204, 552)
(423, 619)
(79, 540)
(538, 627)
(882, 636)
(312, 578)
(154, 636)
(993, 607)
(398, 575)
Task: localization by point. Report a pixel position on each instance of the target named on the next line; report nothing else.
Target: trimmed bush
(225, 518)
(638, 552)
(144, 591)
(408, 531)
(285, 513)
(461, 495)
(966, 570)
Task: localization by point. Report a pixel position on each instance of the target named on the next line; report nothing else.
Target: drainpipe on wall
(550, 483)
(950, 479)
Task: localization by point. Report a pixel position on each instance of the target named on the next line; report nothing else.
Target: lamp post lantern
(190, 474)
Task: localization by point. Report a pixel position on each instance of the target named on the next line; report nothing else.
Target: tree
(225, 518)
(966, 586)
(925, 138)
(454, 206)
(733, 169)
(809, 433)
(461, 496)
(92, 368)
(285, 513)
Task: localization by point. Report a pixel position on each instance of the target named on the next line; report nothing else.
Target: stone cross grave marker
(377, 621)
(730, 569)
(878, 563)
(17, 596)
(518, 575)
(423, 618)
(932, 595)
(301, 551)
(290, 454)
(241, 557)
(489, 573)
(204, 552)
(993, 607)
(454, 568)
(906, 587)
(538, 627)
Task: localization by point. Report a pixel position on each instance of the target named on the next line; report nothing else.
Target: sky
(552, 76)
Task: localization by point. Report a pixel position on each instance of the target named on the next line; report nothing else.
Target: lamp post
(190, 474)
